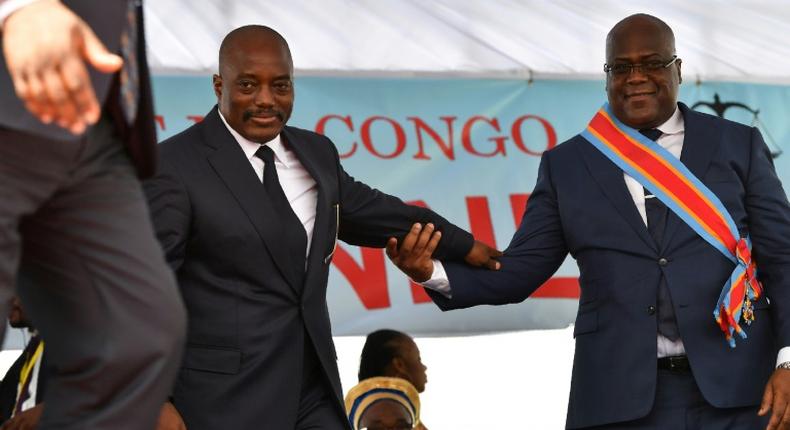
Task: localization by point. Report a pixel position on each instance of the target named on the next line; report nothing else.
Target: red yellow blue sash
(674, 184)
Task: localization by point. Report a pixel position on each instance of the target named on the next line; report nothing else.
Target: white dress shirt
(299, 187)
(673, 132)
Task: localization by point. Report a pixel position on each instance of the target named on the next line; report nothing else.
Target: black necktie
(292, 228)
(656, 212)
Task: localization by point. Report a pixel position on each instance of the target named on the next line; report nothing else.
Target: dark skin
(25, 420)
(641, 101)
(646, 100)
(413, 256)
(386, 414)
(255, 85)
(170, 419)
(255, 94)
(408, 365)
(17, 317)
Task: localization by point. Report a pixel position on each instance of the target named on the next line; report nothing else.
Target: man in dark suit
(649, 354)
(73, 218)
(248, 211)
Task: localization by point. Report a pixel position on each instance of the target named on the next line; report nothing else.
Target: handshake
(413, 255)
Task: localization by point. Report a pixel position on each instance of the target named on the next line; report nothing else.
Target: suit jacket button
(651, 310)
(663, 261)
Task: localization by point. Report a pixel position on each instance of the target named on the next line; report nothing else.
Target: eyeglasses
(625, 69)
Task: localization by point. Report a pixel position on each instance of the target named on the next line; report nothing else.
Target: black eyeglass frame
(648, 67)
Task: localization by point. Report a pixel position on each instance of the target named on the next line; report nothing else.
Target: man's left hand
(26, 420)
(777, 400)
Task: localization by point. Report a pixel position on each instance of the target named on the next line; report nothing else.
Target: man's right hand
(413, 256)
(46, 47)
(170, 419)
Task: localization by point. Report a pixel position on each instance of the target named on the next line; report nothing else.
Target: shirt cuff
(7, 7)
(438, 281)
(783, 356)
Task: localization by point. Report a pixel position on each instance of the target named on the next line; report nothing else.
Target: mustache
(251, 113)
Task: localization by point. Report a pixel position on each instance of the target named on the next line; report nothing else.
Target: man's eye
(653, 65)
(621, 68)
(246, 84)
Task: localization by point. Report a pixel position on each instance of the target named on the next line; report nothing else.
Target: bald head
(254, 86)
(250, 35)
(640, 23)
(643, 73)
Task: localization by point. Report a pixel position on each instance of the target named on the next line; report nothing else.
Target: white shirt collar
(249, 147)
(674, 125)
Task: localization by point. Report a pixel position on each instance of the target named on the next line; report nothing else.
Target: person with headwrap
(383, 403)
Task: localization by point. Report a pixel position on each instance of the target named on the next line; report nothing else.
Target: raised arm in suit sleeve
(534, 254)
(768, 214)
(370, 217)
(171, 213)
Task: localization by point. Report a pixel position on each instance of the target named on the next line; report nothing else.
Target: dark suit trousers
(317, 408)
(74, 227)
(679, 405)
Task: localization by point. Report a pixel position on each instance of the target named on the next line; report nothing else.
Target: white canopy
(717, 40)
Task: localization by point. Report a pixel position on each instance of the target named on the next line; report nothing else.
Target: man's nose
(636, 74)
(264, 97)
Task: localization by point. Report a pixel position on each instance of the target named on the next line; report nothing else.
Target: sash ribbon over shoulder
(674, 184)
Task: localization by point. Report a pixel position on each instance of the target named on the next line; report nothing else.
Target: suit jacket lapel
(699, 146)
(612, 182)
(232, 166)
(320, 227)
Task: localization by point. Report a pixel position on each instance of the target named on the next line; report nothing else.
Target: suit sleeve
(170, 208)
(536, 251)
(769, 227)
(370, 217)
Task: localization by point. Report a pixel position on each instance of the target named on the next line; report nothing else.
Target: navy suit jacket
(581, 205)
(107, 19)
(247, 315)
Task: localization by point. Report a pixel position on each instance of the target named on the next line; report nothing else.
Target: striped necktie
(130, 77)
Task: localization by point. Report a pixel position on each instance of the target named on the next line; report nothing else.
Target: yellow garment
(364, 394)
(27, 372)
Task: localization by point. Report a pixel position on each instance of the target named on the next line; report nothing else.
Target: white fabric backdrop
(499, 38)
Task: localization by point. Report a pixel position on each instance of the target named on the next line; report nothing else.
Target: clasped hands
(413, 256)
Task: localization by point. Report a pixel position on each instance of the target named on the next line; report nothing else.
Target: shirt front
(299, 187)
(672, 133)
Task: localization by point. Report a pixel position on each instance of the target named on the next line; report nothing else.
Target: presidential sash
(674, 184)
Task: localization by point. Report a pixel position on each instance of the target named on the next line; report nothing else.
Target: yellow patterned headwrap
(367, 392)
